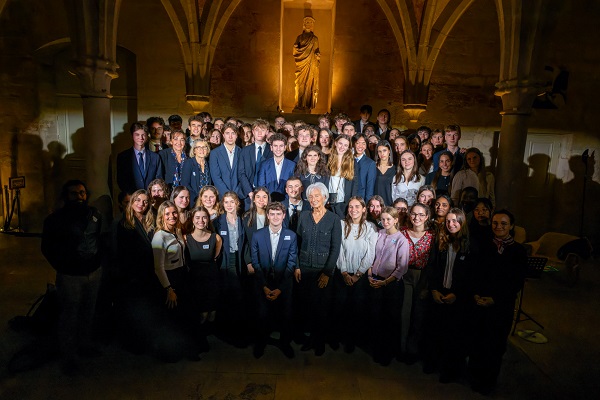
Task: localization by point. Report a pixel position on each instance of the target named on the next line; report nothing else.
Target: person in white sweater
(357, 253)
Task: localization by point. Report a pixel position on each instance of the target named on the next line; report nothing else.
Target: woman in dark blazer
(320, 238)
(496, 281)
(230, 315)
(312, 168)
(448, 278)
(195, 173)
(253, 219)
(174, 159)
(138, 286)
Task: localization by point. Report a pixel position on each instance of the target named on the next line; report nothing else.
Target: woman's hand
(250, 269)
(297, 275)
(323, 281)
(376, 283)
(484, 301)
(437, 297)
(347, 279)
(171, 298)
(449, 298)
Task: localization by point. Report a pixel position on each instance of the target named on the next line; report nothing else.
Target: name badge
(394, 241)
(194, 173)
(462, 258)
(206, 246)
(223, 233)
(287, 238)
(94, 219)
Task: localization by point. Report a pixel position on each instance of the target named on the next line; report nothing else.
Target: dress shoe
(319, 349)
(349, 348)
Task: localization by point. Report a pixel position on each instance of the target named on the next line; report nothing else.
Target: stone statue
(307, 57)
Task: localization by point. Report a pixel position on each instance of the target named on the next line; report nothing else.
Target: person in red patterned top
(420, 239)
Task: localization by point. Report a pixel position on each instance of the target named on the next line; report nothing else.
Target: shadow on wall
(549, 204)
(576, 205)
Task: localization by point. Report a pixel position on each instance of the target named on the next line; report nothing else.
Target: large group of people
(348, 233)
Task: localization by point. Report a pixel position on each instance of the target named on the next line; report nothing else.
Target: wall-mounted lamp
(414, 111)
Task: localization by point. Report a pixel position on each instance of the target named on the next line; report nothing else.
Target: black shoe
(287, 350)
(306, 347)
(300, 338)
(334, 344)
(428, 368)
(258, 351)
(410, 359)
(447, 378)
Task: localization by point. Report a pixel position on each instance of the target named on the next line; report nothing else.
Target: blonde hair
(160, 217)
(347, 170)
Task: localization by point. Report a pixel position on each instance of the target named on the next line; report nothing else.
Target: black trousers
(312, 305)
(274, 314)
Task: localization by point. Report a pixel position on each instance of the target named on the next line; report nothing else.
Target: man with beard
(70, 243)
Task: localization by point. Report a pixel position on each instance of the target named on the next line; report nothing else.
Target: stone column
(95, 77)
(517, 100)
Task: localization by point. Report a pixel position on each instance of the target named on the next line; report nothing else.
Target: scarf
(502, 243)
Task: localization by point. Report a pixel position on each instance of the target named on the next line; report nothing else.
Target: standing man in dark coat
(70, 243)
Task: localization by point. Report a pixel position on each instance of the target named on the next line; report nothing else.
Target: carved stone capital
(414, 111)
(199, 103)
(95, 76)
(518, 95)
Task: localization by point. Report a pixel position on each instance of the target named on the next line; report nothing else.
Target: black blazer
(220, 224)
(286, 203)
(129, 176)
(320, 251)
(169, 163)
(461, 273)
(293, 155)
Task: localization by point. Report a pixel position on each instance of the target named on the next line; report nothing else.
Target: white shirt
(407, 190)
(260, 221)
(357, 254)
(274, 242)
(336, 185)
(262, 146)
(298, 208)
(278, 167)
(231, 155)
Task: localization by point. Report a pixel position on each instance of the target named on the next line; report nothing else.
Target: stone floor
(564, 368)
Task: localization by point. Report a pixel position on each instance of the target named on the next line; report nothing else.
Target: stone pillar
(95, 77)
(517, 100)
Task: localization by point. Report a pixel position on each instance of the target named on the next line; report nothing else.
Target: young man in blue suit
(137, 166)
(293, 203)
(274, 172)
(250, 159)
(274, 250)
(224, 162)
(366, 169)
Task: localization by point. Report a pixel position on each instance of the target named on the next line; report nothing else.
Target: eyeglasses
(78, 193)
(414, 215)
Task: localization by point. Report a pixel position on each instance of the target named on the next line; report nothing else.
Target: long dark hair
(321, 167)
(438, 173)
(252, 211)
(459, 241)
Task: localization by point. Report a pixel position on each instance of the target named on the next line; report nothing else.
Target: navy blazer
(190, 177)
(267, 176)
(282, 269)
(169, 163)
(366, 170)
(220, 224)
(225, 177)
(129, 176)
(248, 168)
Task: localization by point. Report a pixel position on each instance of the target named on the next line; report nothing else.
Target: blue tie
(141, 164)
(258, 159)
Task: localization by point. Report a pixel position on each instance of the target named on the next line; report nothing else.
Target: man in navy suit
(137, 166)
(302, 133)
(274, 250)
(294, 203)
(224, 162)
(366, 168)
(365, 114)
(250, 159)
(274, 172)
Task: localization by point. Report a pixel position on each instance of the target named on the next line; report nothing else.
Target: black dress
(383, 185)
(203, 273)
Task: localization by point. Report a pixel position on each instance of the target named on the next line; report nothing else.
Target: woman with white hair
(320, 238)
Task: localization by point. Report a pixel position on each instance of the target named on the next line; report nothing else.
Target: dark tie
(156, 148)
(294, 218)
(258, 159)
(141, 164)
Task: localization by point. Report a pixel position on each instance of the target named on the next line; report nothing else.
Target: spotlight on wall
(414, 111)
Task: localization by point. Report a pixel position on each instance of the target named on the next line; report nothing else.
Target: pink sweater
(391, 255)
